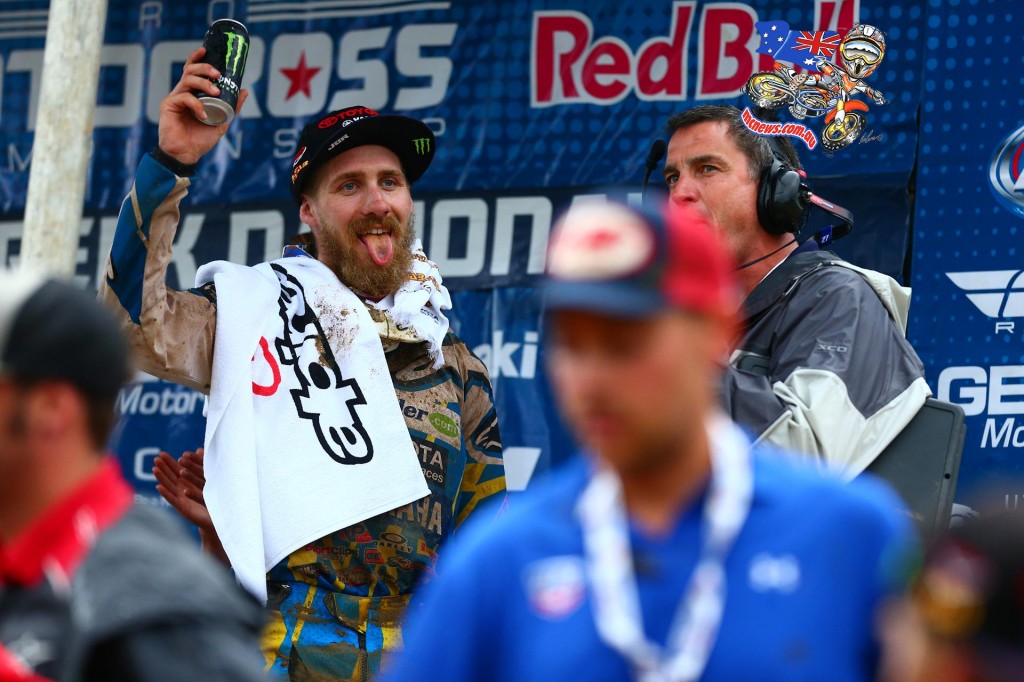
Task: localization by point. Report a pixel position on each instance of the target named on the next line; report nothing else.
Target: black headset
(783, 200)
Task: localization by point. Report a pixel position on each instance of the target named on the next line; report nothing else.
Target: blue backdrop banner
(536, 103)
(967, 319)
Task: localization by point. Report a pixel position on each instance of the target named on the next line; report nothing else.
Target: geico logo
(500, 356)
(295, 79)
(999, 390)
(138, 400)
(568, 66)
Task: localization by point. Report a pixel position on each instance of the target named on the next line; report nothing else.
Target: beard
(339, 253)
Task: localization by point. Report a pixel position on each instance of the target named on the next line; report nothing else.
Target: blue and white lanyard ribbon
(609, 561)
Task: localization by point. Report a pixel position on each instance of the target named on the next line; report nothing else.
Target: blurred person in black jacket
(93, 587)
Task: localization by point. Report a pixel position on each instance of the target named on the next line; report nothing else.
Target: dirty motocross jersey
(334, 605)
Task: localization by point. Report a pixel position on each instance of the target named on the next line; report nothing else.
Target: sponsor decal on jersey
(555, 586)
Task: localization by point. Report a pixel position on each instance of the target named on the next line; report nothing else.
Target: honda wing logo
(996, 293)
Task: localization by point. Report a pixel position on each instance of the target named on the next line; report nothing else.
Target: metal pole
(60, 153)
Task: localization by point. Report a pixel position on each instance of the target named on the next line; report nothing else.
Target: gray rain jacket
(825, 367)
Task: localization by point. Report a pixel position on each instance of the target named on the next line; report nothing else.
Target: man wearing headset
(824, 366)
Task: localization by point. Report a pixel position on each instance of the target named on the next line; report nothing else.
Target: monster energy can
(227, 46)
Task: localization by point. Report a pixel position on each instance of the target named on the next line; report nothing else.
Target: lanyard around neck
(616, 601)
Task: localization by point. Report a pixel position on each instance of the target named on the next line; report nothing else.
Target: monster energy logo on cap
(422, 145)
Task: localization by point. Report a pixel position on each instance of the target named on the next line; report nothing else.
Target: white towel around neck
(420, 302)
(278, 474)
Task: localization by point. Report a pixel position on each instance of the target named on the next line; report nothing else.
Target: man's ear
(308, 215)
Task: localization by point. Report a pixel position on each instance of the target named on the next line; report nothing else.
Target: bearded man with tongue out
(317, 419)
(353, 191)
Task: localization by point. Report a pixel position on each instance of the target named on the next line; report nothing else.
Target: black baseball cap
(411, 140)
(53, 330)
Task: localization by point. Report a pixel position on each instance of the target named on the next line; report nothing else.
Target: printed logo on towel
(998, 294)
(304, 348)
(1004, 173)
(265, 368)
(555, 586)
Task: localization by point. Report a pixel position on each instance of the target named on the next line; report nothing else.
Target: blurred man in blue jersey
(674, 550)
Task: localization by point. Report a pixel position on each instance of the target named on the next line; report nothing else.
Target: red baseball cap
(625, 261)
